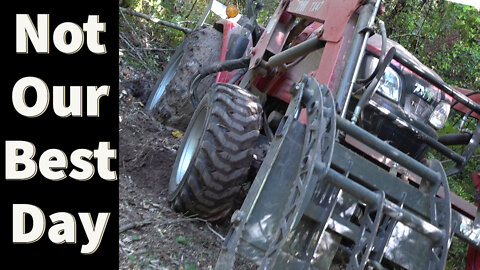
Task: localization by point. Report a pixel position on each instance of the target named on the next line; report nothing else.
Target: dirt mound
(152, 235)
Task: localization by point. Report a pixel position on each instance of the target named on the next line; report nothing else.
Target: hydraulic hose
(367, 95)
(228, 65)
(383, 31)
(238, 75)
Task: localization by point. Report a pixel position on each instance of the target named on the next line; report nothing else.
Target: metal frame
(418, 209)
(294, 201)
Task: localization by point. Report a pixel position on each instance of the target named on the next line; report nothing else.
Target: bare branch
(136, 225)
(133, 225)
(188, 15)
(407, 35)
(155, 20)
(215, 232)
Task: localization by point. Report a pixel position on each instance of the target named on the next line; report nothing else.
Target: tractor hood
(375, 44)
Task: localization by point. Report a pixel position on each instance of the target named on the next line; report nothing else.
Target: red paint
(473, 255)
(331, 54)
(396, 64)
(267, 34)
(280, 87)
(333, 59)
(475, 97)
(306, 33)
(473, 259)
(476, 180)
(224, 76)
(459, 107)
(285, 18)
(334, 14)
(331, 63)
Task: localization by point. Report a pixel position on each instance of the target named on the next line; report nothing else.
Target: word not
(39, 36)
(64, 229)
(53, 162)
(20, 88)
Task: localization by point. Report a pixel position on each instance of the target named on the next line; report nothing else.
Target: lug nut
(237, 217)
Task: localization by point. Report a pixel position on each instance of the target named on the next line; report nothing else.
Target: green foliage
(461, 183)
(443, 35)
(167, 10)
(182, 240)
(446, 37)
(457, 255)
(190, 266)
(267, 11)
(148, 45)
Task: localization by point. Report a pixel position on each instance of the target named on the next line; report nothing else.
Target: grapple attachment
(307, 206)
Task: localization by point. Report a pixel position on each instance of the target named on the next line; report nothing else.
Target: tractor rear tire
(214, 158)
(169, 100)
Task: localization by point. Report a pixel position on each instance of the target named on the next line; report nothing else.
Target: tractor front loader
(321, 128)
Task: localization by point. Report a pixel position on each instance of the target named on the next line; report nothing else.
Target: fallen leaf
(177, 134)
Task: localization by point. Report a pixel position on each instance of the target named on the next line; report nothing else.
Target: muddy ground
(152, 235)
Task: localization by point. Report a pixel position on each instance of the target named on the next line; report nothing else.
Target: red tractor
(319, 128)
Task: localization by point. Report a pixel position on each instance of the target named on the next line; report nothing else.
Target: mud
(152, 235)
(201, 47)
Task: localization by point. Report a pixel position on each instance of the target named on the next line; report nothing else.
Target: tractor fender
(235, 44)
(473, 255)
(473, 95)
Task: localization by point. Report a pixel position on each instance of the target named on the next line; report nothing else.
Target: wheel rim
(168, 76)
(191, 145)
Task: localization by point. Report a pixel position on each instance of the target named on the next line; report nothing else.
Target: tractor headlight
(389, 85)
(440, 115)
